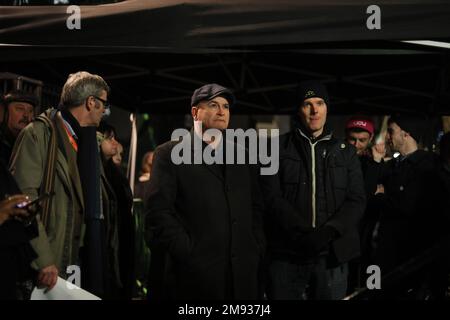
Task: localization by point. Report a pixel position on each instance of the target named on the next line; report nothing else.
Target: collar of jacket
(200, 147)
(195, 138)
(75, 125)
(326, 135)
(415, 157)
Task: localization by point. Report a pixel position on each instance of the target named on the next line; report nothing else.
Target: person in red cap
(360, 132)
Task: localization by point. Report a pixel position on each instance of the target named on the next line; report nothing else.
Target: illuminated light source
(438, 44)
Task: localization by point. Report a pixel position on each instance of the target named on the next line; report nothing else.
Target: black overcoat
(204, 228)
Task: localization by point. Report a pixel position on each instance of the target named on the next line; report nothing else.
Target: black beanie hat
(409, 123)
(312, 89)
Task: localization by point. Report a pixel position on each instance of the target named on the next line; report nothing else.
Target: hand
(314, 242)
(380, 189)
(8, 208)
(47, 277)
(378, 151)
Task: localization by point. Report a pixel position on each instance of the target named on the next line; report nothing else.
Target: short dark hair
(107, 130)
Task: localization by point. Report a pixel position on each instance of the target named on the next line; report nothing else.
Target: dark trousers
(289, 281)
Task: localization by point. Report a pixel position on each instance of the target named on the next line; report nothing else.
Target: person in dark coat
(315, 202)
(444, 155)
(124, 197)
(409, 198)
(204, 221)
(360, 132)
(16, 253)
(443, 283)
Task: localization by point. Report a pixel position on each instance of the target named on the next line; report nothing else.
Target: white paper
(63, 290)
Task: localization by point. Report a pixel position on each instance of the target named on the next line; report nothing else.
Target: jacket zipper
(313, 174)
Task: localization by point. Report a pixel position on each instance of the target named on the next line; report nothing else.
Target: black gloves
(312, 243)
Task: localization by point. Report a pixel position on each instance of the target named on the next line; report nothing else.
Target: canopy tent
(155, 53)
(194, 24)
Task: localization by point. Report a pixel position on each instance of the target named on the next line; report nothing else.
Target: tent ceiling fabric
(264, 82)
(212, 24)
(155, 53)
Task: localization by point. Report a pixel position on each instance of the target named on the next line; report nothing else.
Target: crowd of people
(221, 231)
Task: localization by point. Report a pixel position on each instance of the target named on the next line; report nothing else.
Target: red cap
(360, 123)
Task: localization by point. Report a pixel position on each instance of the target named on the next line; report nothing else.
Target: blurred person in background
(117, 158)
(444, 155)
(2, 110)
(444, 174)
(360, 132)
(18, 112)
(141, 188)
(122, 193)
(410, 200)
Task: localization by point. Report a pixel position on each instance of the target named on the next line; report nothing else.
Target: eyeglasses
(106, 104)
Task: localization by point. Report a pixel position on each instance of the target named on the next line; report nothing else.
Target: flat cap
(210, 91)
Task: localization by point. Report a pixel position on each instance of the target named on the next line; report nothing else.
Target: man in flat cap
(203, 221)
(314, 206)
(410, 200)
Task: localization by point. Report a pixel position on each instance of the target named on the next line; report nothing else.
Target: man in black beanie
(315, 202)
(411, 125)
(410, 200)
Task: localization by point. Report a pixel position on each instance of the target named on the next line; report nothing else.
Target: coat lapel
(71, 161)
(233, 171)
(215, 170)
(198, 150)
